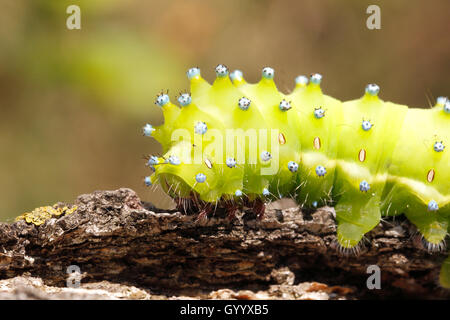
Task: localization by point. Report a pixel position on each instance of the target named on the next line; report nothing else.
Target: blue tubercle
(433, 206)
(301, 80)
(447, 107)
(162, 100)
(440, 101)
(230, 162)
(266, 156)
(153, 160)
(221, 71)
(438, 146)
(316, 78)
(236, 75)
(174, 160)
(319, 113)
(293, 166)
(364, 186)
(268, 73)
(192, 73)
(321, 171)
(200, 127)
(185, 99)
(366, 125)
(200, 178)
(372, 89)
(285, 105)
(147, 130)
(244, 103)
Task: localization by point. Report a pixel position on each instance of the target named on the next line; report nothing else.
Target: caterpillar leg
(355, 217)
(432, 226)
(231, 208)
(186, 205)
(431, 221)
(259, 207)
(203, 214)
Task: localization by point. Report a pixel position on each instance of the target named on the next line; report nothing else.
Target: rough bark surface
(124, 245)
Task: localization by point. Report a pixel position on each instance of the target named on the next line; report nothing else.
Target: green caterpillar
(233, 143)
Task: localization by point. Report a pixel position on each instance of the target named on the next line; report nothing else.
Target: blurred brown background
(73, 101)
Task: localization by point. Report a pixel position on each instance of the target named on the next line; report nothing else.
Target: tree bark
(114, 236)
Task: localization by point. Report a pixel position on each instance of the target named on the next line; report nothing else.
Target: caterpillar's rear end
(237, 144)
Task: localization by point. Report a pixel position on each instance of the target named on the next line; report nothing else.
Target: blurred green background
(73, 101)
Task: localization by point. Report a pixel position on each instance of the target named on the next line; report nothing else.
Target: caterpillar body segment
(419, 176)
(319, 118)
(234, 143)
(363, 160)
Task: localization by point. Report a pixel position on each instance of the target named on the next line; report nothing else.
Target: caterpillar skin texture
(367, 157)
